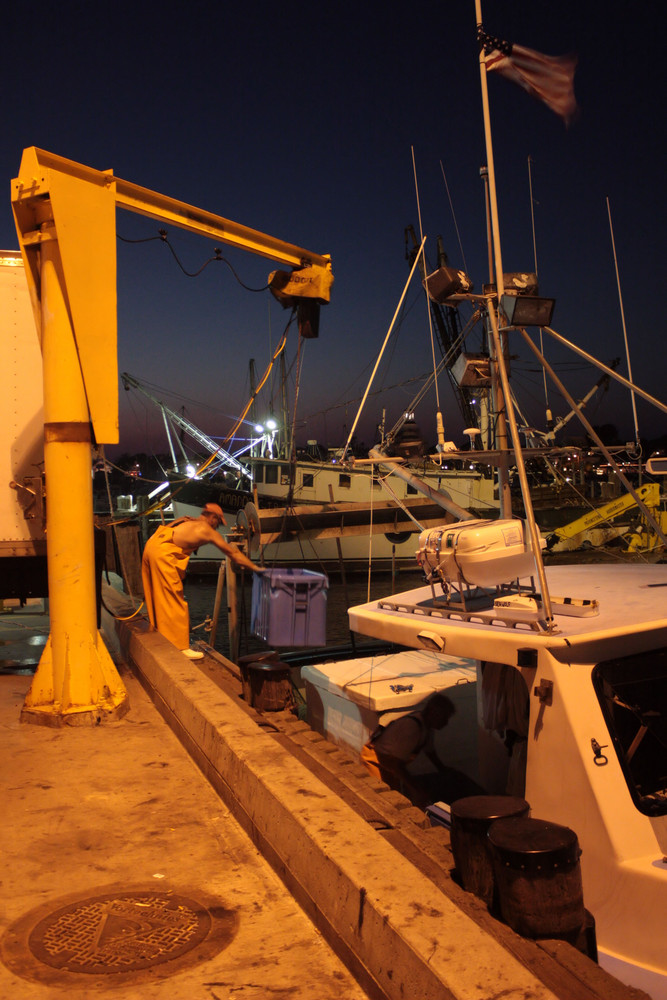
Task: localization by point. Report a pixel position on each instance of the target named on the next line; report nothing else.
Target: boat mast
(495, 263)
(252, 375)
(503, 397)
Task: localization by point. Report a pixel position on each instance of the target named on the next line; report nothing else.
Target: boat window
(285, 478)
(258, 472)
(377, 485)
(271, 473)
(411, 489)
(633, 695)
(308, 479)
(344, 481)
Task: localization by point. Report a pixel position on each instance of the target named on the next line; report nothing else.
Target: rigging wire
(377, 363)
(428, 308)
(625, 332)
(297, 387)
(456, 225)
(276, 354)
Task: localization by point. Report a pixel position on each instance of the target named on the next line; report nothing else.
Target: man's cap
(212, 508)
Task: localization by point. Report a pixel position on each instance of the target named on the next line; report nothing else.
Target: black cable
(194, 274)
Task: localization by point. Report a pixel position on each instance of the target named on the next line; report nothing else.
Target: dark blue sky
(300, 121)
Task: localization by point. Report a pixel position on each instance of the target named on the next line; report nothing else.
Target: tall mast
(502, 389)
(532, 220)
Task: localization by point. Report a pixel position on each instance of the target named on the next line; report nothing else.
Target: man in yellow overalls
(165, 560)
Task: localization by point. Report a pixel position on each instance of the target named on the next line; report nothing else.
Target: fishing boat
(558, 674)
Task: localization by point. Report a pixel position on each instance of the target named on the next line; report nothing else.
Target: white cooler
(348, 699)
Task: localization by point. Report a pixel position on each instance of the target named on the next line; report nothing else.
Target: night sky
(301, 121)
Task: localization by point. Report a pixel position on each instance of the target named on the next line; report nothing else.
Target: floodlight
(527, 310)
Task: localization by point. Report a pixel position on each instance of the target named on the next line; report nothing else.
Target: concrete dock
(199, 849)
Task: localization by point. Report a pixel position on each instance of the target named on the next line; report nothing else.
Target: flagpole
(495, 224)
(504, 491)
(506, 410)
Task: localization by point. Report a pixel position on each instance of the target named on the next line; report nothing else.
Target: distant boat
(325, 503)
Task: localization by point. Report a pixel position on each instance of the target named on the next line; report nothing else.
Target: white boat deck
(632, 600)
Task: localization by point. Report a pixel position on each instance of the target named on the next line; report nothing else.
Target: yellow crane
(65, 216)
(639, 538)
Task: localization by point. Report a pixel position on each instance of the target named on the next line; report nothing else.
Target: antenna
(625, 332)
(440, 427)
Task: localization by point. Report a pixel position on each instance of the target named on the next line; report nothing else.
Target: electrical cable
(163, 237)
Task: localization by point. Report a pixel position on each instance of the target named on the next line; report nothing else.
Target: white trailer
(22, 538)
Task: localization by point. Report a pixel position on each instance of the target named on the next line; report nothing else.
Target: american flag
(549, 78)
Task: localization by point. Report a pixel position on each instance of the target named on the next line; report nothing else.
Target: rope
(428, 310)
(456, 225)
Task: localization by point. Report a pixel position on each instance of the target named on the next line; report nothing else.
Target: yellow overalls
(163, 567)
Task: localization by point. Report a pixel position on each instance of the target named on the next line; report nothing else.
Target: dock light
(271, 424)
(190, 471)
(259, 429)
(527, 310)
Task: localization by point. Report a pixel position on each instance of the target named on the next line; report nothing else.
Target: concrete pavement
(121, 812)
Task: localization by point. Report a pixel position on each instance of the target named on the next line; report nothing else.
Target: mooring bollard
(266, 683)
(471, 819)
(538, 878)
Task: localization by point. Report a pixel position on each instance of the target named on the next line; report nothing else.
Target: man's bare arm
(230, 550)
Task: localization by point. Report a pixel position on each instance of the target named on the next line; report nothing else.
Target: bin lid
(288, 577)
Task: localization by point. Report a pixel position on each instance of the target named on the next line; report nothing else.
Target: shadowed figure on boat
(393, 748)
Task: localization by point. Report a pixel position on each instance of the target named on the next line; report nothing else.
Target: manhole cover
(119, 934)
